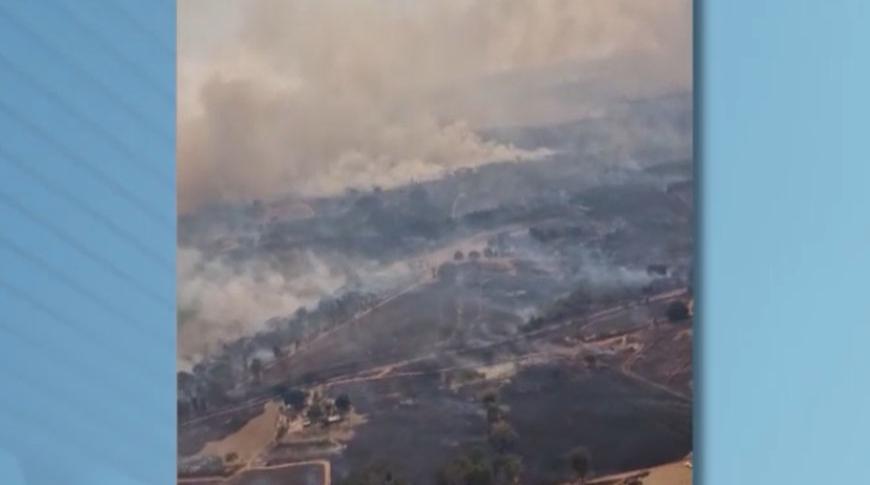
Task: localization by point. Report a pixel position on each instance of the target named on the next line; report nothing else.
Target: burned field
(520, 340)
(439, 316)
(418, 424)
(423, 409)
(413, 424)
(625, 425)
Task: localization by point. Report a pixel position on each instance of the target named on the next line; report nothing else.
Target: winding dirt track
(327, 472)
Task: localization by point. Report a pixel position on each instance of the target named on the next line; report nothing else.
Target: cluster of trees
(497, 466)
(305, 324)
(210, 382)
(474, 255)
(318, 407)
(337, 310)
(477, 467)
(500, 465)
(197, 392)
(293, 397)
(587, 297)
(321, 408)
(548, 233)
(389, 219)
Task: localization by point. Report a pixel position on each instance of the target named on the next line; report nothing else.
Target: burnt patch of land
(664, 356)
(412, 423)
(623, 423)
(435, 316)
(629, 406)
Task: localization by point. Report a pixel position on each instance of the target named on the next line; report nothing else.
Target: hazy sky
(311, 97)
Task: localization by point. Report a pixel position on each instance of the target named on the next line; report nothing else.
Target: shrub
(677, 311)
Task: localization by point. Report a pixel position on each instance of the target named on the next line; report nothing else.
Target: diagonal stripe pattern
(87, 242)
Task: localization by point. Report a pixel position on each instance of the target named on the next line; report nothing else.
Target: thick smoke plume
(312, 97)
(219, 301)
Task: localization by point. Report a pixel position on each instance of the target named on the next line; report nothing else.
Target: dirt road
(677, 473)
(233, 479)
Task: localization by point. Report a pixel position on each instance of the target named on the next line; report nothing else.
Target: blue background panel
(785, 232)
(87, 242)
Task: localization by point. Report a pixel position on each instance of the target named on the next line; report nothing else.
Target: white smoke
(219, 302)
(312, 97)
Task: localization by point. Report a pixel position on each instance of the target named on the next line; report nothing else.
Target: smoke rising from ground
(219, 302)
(312, 97)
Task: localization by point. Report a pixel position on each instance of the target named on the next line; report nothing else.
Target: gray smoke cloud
(219, 301)
(312, 97)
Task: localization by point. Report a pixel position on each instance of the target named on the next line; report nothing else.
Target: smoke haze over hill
(312, 97)
(304, 100)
